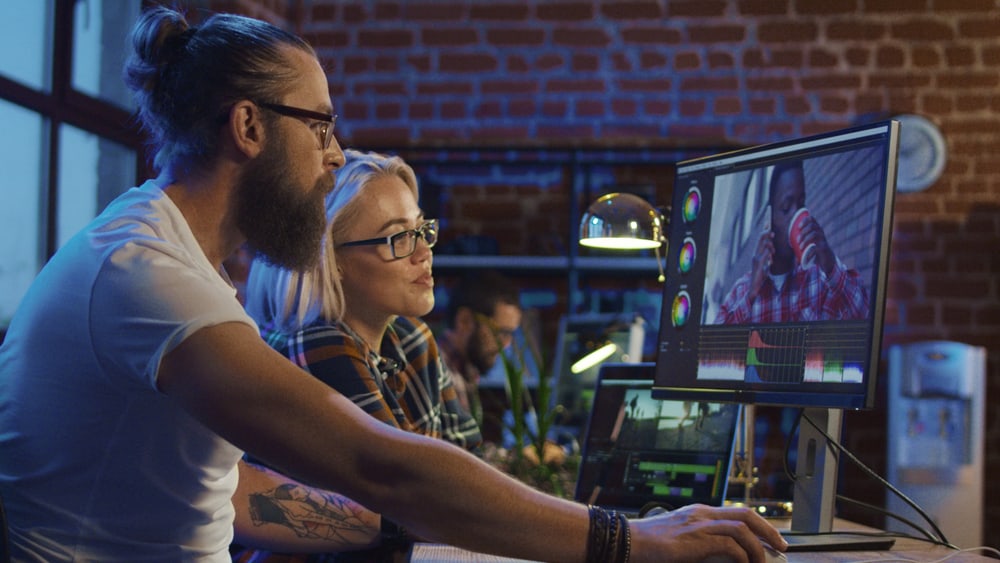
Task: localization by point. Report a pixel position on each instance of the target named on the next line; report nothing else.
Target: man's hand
(812, 233)
(696, 532)
(761, 263)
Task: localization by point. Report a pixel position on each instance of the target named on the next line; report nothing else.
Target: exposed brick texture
(748, 71)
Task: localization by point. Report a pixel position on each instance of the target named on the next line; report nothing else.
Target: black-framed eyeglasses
(324, 127)
(403, 243)
(504, 335)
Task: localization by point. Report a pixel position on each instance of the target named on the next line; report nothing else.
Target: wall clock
(922, 153)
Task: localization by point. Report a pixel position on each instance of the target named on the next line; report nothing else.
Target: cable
(927, 535)
(833, 443)
(835, 449)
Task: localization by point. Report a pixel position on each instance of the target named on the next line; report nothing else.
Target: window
(21, 139)
(92, 172)
(100, 33)
(25, 43)
(67, 147)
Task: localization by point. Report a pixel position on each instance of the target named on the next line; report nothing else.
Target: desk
(904, 549)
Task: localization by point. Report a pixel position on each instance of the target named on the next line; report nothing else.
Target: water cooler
(935, 441)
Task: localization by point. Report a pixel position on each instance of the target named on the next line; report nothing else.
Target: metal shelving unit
(582, 163)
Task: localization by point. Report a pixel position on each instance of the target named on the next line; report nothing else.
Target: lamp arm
(664, 211)
(659, 263)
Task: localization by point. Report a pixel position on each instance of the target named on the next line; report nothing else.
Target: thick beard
(280, 223)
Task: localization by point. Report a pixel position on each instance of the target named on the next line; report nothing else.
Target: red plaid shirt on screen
(807, 294)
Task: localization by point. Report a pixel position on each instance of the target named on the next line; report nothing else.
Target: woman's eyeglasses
(403, 243)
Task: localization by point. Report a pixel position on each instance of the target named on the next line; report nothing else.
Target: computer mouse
(771, 555)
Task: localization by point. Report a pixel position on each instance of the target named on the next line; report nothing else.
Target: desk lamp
(622, 221)
(619, 221)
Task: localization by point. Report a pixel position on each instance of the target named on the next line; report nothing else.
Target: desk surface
(904, 549)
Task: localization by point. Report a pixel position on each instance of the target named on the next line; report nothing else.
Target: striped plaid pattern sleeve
(334, 357)
(429, 390)
(403, 386)
(807, 295)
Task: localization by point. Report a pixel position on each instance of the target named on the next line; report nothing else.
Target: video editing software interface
(776, 272)
(639, 449)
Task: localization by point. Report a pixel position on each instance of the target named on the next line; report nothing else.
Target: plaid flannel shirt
(808, 294)
(403, 384)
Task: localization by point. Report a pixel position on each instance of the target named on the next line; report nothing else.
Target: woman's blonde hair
(288, 300)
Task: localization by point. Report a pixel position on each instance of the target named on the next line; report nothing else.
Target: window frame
(65, 105)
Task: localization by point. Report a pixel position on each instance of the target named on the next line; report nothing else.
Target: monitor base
(836, 541)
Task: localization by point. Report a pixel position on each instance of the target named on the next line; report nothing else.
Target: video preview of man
(798, 248)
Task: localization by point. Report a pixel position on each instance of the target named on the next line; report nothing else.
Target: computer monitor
(776, 282)
(578, 334)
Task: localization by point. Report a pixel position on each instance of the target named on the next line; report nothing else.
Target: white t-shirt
(95, 463)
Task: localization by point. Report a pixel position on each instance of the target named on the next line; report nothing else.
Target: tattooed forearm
(308, 512)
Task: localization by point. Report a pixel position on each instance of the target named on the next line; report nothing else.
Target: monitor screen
(637, 450)
(776, 272)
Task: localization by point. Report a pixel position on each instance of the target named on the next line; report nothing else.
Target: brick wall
(745, 70)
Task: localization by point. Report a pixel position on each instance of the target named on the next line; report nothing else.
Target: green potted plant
(534, 459)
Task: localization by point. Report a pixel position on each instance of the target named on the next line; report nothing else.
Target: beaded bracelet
(624, 546)
(597, 537)
(609, 539)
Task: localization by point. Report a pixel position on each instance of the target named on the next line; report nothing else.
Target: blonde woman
(352, 320)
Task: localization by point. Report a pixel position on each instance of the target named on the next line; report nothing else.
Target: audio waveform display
(840, 360)
(812, 353)
(722, 354)
(776, 355)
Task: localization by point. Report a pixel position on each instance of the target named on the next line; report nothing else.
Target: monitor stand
(815, 490)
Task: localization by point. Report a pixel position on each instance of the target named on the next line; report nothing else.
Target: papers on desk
(441, 553)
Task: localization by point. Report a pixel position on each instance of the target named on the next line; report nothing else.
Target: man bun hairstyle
(184, 79)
